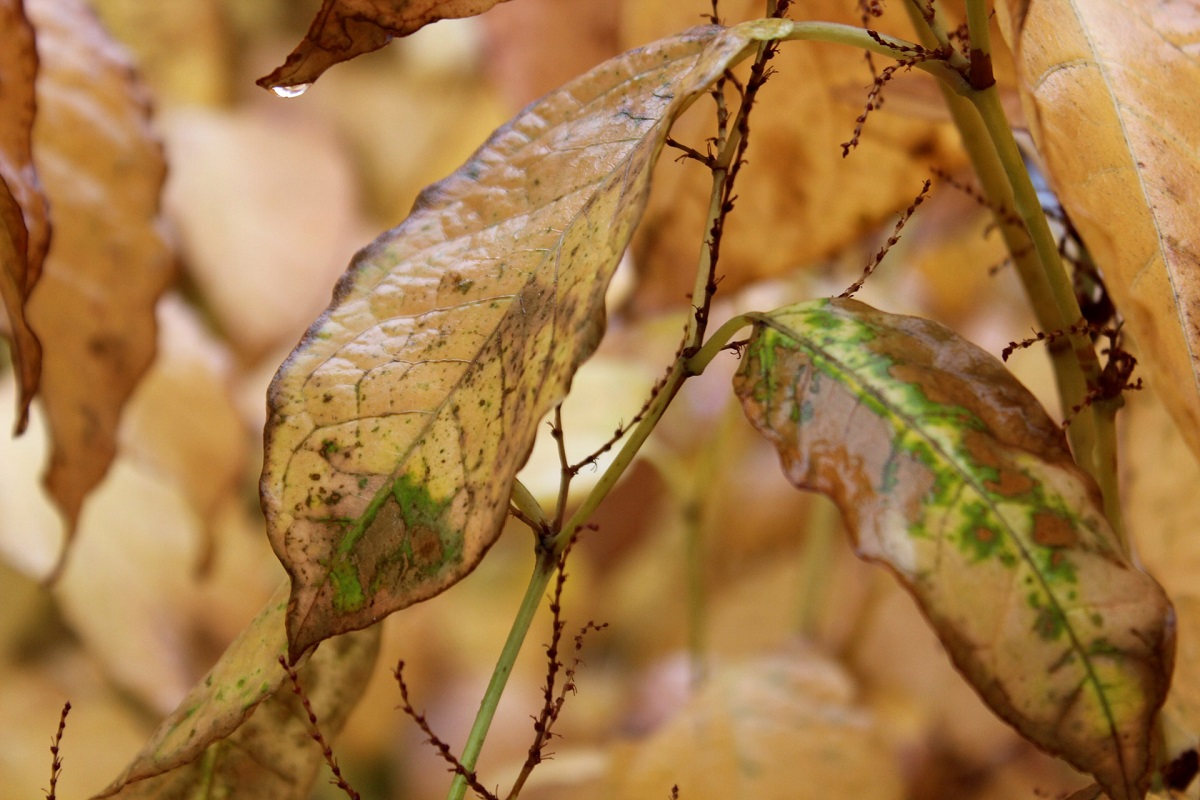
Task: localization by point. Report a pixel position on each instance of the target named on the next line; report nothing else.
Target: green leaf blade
(949, 472)
(398, 424)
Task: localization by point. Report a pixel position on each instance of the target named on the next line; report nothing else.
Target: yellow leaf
(398, 424)
(1111, 90)
(181, 423)
(94, 305)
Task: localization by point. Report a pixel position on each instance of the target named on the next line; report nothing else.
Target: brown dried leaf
(241, 731)
(94, 305)
(24, 217)
(345, 29)
(950, 473)
(398, 423)
(1123, 78)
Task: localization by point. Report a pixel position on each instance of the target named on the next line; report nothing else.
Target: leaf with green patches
(398, 424)
(241, 731)
(949, 472)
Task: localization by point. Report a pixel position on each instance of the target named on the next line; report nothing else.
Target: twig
(443, 749)
(1006, 215)
(315, 732)
(624, 428)
(919, 55)
(552, 700)
(55, 751)
(891, 242)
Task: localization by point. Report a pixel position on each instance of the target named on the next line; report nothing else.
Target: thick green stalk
(988, 140)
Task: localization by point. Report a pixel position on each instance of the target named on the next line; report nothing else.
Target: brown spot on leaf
(1051, 530)
(1011, 483)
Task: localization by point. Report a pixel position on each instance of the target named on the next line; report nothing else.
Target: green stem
(625, 455)
(716, 343)
(543, 571)
(1104, 413)
(1029, 208)
(888, 46)
(988, 140)
(939, 35)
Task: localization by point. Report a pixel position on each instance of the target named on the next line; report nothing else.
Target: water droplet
(291, 91)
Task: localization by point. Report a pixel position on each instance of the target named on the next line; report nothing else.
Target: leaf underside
(949, 472)
(397, 425)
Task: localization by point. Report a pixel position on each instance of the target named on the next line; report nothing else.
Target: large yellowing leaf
(24, 219)
(344, 29)
(241, 732)
(93, 307)
(397, 425)
(1112, 90)
(949, 472)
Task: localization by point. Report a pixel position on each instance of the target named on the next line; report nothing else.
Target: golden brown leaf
(24, 218)
(1111, 89)
(949, 472)
(94, 305)
(344, 29)
(399, 422)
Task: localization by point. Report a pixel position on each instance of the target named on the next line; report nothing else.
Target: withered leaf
(949, 472)
(24, 217)
(241, 731)
(94, 305)
(345, 29)
(1122, 78)
(397, 425)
